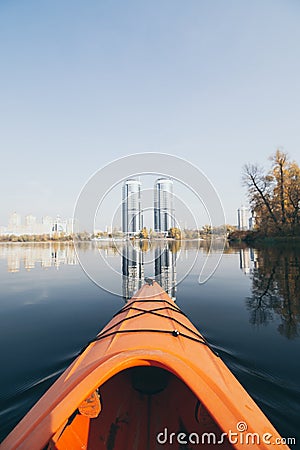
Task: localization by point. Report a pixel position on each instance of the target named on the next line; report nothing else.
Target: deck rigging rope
(197, 337)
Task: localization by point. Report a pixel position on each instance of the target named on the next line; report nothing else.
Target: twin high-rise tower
(163, 205)
(132, 217)
(132, 213)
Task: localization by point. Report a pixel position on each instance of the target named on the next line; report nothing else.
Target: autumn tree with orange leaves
(275, 196)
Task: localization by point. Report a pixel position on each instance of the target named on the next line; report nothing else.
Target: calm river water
(249, 310)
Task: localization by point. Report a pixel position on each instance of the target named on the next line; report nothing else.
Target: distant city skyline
(32, 226)
(216, 83)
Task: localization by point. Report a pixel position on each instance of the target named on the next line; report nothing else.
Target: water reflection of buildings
(165, 270)
(133, 270)
(248, 260)
(28, 256)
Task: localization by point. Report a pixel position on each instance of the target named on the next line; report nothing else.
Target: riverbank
(36, 239)
(254, 238)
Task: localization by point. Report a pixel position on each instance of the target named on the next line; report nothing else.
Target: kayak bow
(149, 379)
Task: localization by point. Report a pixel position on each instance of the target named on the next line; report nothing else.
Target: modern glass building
(163, 205)
(132, 219)
(243, 218)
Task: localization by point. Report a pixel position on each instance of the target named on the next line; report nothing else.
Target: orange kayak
(149, 380)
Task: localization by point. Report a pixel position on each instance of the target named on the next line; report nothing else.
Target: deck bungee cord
(174, 332)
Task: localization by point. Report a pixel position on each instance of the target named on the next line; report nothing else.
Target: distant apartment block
(243, 218)
(30, 220)
(47, 221)
(14, 221)
(163, 205)
(252, 222)
(60, 225)
(32, 226)
(132, 218)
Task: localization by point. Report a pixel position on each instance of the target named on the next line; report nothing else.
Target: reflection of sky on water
(273, 273)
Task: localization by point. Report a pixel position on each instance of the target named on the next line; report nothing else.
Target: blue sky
(83, 83)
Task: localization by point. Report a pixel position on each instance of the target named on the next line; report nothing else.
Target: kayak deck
(143, 408)
(160, 384)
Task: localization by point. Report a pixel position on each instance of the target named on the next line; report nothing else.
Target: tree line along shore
(174, 234)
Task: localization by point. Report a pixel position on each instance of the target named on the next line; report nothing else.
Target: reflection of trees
(276, 289)
(144, 245)
(174, 246)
